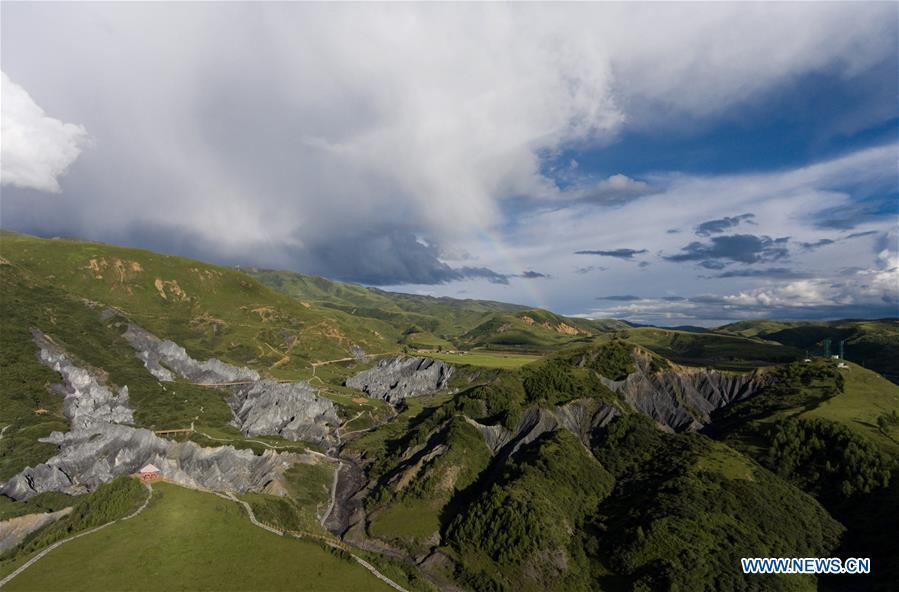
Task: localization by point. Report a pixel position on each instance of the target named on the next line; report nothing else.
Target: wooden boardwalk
(176, 431)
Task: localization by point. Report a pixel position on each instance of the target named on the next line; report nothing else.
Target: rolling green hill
(211, 311)
(723, 351)
(536, 469)
(428, 323)
(874, 344)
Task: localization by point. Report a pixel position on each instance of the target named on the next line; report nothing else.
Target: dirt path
(333, 494)
(43, 553)
(374, 571)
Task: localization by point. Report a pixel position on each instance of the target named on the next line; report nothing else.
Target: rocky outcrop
(581, 417)
(395, 379)
(162, 357)
(98, 448)
(89, 457)
(86, 400)
(15, 530)
(261, 407)
(682, 398)
(293, 411)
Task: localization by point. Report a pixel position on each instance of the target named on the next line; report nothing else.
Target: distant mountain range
(454, 444)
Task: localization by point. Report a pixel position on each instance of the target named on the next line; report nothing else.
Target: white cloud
(278, 128)
(341, 115)
(35, 149)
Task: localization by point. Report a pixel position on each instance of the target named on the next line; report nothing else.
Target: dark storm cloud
(817, 244)
(617, 253)
(861, 234)
(823, 242)
(870, 209)
(589, 268)
(620, 298)
(533, 275)
(771, 272)
(376, 256)
(740, 248)
(720, 225)
(384, 256)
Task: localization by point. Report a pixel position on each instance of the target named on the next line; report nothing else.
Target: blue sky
(670, 164)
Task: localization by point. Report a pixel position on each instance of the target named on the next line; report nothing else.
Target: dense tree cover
(797, 386)
(464, 453)
(886, 420)
(531, 516)
(827, 459)
(670, 524)
(659, 511)
(613, 360)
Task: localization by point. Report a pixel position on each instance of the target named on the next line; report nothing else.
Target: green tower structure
(827, 348)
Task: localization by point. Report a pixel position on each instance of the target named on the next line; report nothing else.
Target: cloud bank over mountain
(457, 147)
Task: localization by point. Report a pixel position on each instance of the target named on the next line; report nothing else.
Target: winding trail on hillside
(334, 545)
(44, 552)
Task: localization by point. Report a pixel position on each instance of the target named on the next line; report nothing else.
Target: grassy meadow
(190, 540)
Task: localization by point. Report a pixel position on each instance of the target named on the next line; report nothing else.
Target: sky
(663, 163)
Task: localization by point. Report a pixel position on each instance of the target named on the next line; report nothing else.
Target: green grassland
(212, 311)
(486, 359)
(532, 330)
(308, 495)
(871, 343)
(189, 540)
(632, 507)
(421, 314)
(425, 322)
(110, 501)
(853, 397)
(33, 411)
(866, 397)
(724, 352)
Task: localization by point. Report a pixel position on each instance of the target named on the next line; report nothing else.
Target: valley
(447, 444)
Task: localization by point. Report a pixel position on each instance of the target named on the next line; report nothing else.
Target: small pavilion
(149, 472)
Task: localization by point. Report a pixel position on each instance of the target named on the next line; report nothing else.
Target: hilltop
(534, 451)
(873, 343)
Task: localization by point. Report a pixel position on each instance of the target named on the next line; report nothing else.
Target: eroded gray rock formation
(98, 448)
(162, 357)
(86, 400)
(395, 379)
(261, 407)
(581, 417)
(89, 457)
(293, 411)
(683, 398)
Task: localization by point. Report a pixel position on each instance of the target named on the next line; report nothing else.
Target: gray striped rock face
(397, 378)
(261, 407)
(164, 359)
(293, 411)
(99, 448)
(102, 452)
(681, 398)
(86, 400)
